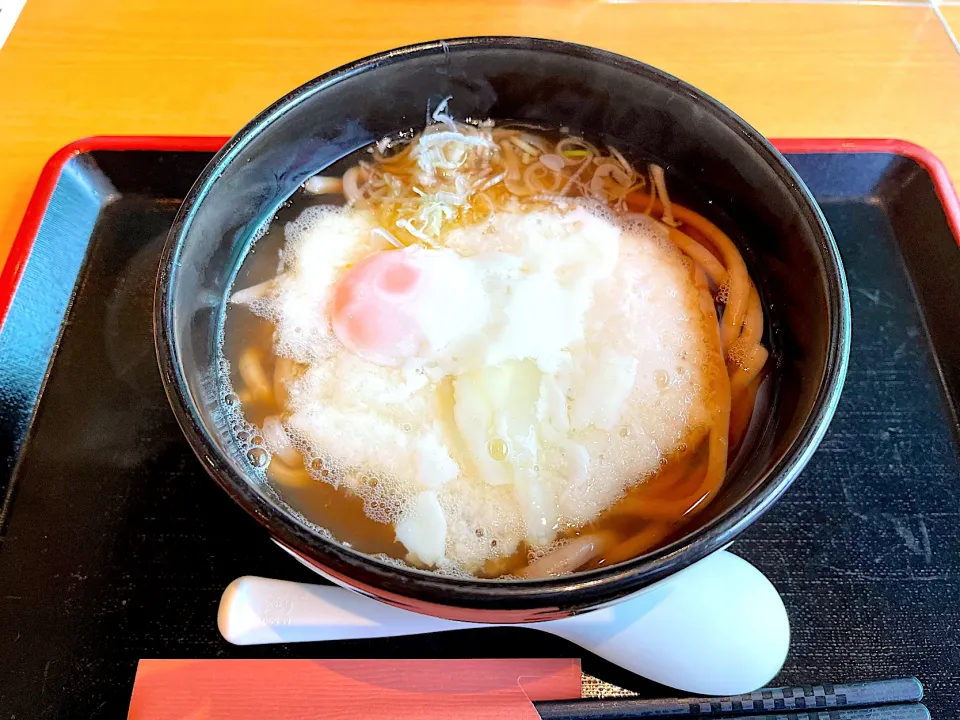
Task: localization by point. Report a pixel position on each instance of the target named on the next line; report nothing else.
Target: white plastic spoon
(717, 628)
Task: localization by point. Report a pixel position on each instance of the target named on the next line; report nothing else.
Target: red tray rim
(36, 208)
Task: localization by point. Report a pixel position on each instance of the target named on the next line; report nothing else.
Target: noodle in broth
(419, 192)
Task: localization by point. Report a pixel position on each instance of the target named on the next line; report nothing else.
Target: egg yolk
(373, 312)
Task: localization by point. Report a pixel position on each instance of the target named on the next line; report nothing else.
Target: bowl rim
(578, 590)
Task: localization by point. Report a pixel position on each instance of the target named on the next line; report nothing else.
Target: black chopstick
(806, 699)
(912, 711)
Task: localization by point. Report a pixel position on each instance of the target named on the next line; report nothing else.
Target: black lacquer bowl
(730, 173)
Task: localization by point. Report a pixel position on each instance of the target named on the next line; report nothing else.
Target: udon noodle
(417, 193)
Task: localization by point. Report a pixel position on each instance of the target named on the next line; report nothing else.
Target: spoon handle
(259, 611)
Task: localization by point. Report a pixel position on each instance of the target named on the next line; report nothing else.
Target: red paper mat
(330, 689)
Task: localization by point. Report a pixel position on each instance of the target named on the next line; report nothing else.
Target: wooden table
(72, 69)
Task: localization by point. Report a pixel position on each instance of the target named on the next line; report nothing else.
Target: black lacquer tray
(115, 545)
